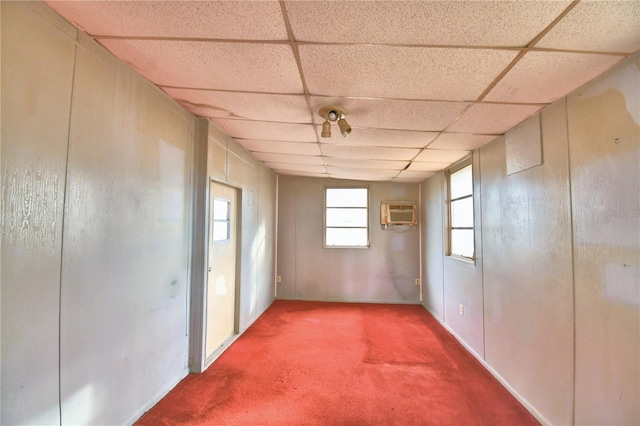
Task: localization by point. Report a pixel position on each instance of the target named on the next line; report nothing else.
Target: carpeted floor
(312, 363)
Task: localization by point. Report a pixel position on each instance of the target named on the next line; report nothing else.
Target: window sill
(470, 260)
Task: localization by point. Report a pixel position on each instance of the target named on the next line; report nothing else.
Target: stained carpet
(313, 363)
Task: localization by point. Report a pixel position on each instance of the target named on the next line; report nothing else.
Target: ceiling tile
(349, 171)
(379, 137)
(361, 173)
(300, 173)
(251, 106)
(308, 168)
(440, 156)
(245, 20)
(423, 22)
(492, 119)
(270, 68)
(368, 153)
(293, 148)
(460, 141)
(401, 72)
(599, 26)
(373, 164)
(263, 130)
(543, 77)
(417, 166)
(409, 174)
(268, 157)
(394, 114)
(410, 180)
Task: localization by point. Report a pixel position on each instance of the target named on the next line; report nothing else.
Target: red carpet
(308, 363)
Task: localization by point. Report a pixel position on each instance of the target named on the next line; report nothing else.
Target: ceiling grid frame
(410, 60)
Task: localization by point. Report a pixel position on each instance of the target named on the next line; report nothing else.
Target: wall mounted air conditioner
(398, 213)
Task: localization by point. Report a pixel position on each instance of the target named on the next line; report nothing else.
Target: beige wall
(385, 272)
(98, 173)
(560, 248)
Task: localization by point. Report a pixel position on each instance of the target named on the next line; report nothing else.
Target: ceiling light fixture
(333, 113)
(326, 129)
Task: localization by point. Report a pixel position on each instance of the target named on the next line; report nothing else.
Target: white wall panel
(527, 271)
(385, 272)
(265, 237)
(126, 255)
(604, 136)
(38, 51)
(433, 243)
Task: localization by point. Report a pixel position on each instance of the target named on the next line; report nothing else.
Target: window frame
(324, 216)
(226, 220)
(466, 162)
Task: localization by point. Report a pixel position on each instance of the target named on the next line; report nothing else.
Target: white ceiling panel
(366, 164)
(417, 166)
(308, 168)
(440, 156)
(401, 72)
(423, 22)
(293, 148)
(393, 113)
(411, 180)
(246, 20)
(361, 174)
(251, 106)
(492, 119)
(410, 174)
(300, 173)
(268, 157)
(414, 77)
(460, 141)
(543, 77)
(368, 153)
(598, 26)
(253, 67)
(263, 130)
(374, 173)
(380, 137)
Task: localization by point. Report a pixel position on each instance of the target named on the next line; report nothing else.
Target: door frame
(198, 361)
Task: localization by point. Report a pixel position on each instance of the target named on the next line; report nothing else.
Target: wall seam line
(62, 230)
(573, 262)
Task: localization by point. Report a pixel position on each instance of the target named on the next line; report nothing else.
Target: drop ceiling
(423, 83)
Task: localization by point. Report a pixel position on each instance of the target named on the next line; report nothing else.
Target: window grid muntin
(361, 202)
(456, 252)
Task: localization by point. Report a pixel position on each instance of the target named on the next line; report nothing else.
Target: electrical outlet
(417, 281)
(461, 309)
(278, 278)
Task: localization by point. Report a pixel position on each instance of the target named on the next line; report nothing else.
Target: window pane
(462, 242)
(346, 237)
(462, 213)
(221, 231)
(220, 209)
(347, 197)
(347, 217)
(461, 182)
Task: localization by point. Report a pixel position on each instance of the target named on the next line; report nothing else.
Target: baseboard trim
(526, 404)
(158, 397)
(386, 302)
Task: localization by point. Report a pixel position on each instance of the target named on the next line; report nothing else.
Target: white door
(221, 280)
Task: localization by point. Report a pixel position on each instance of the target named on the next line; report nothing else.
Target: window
(346, 217)
(461, 240)
(221, 220)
